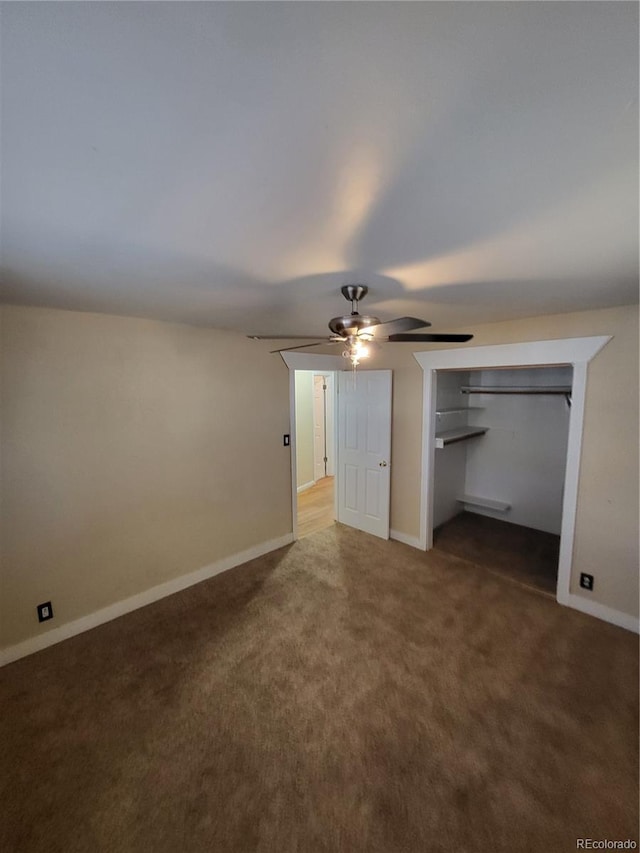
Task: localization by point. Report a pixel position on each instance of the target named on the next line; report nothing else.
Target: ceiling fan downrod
(354, 293)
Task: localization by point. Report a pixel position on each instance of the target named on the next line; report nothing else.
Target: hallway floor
(315, 507)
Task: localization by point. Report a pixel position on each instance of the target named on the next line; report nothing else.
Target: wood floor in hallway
(315, 507)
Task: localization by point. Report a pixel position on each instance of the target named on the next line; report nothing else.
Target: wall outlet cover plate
(45, 611)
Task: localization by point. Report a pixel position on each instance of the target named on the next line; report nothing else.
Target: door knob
(382, 464)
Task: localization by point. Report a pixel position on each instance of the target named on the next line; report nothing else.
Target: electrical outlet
(45, 611)
(586, 581)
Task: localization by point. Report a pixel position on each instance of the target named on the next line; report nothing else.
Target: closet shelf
(450, 436)
(515, 389)
(487, 503)
(458, 410)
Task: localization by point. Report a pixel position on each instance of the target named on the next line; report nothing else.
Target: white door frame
(317, 364)
(576, 352)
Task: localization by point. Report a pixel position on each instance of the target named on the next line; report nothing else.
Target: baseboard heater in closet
(485, 503)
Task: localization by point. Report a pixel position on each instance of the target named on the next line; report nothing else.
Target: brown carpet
(342, 694)
(517, 553)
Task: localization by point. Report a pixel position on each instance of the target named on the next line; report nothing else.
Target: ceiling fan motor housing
(354, 323)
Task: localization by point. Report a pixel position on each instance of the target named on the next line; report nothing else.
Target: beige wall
(606, 542)
(304, 427)
(134, 452)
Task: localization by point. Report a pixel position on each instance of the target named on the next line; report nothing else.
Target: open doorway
(315, 450)
(358, 435)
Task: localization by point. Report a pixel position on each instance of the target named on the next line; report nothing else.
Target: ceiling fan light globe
(359, 348)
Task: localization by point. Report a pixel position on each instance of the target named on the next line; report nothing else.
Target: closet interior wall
(519, 463)
(451, 461)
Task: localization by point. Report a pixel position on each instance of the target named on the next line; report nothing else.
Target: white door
(319, 424)
(364, 449)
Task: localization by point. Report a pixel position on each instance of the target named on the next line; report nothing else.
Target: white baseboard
(305, 486)
(120, 608)
(399, 536)
(85, 623)
(601, 611)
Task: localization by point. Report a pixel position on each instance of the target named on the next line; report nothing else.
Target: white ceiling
(233, 164)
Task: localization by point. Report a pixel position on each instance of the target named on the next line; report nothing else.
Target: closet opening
(501, 438)
(573, 352)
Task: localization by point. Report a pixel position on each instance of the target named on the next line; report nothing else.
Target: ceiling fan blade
(393, 327)
(443, 338)
(303, 346)
(284, 337)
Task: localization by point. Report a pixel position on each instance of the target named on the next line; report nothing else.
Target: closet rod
(515, 389)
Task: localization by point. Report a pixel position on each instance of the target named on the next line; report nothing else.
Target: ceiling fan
(356, 330)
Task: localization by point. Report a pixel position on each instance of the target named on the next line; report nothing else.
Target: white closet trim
(576, 352)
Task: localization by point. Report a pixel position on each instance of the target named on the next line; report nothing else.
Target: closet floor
(519, 553)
